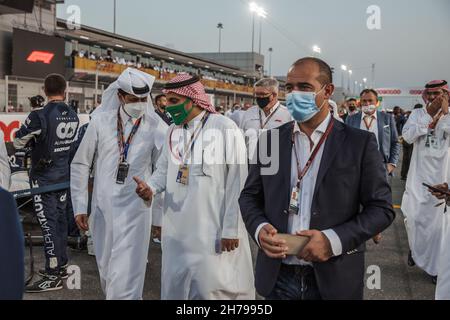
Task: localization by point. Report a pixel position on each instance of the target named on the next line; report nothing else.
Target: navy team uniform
(51, 132)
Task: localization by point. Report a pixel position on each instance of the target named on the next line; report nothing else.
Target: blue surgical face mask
(302, 105)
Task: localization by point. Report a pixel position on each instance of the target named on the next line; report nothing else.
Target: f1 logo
(41, 56)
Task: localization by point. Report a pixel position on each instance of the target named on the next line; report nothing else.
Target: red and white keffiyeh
(435, 84)
(195, 92)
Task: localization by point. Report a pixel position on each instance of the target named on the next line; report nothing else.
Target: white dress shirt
(301, 221)
(255, 116)
(374, 125)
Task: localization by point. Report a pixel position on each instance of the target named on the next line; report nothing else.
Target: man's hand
(436, 106)
(143, 190)
(390, 168)
(82, 222)
(377, 238)
(318, 248)
(229, 245)
(272, 247)
(156, 233)
(440, 195)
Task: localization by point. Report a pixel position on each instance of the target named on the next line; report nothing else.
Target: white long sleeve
(158, 179)
(5, 171)
(237, 171)
(158, 199)
(445, 123)
(417, 125)
(80, 169)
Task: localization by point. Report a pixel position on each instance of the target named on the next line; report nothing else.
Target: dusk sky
(412, 47)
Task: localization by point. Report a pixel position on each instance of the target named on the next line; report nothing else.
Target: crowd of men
(307, 186)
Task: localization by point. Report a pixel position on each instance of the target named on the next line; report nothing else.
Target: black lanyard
(263, 125)
(302, 173)
(125, 146)
(164, 117)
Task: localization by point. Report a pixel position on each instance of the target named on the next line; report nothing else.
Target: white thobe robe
(158, 200)
(120, 219)
(5, 171)
(198, 215)
(237, 116)
(429, 164)
(443, 281)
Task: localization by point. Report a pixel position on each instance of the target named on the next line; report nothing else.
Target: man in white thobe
(334, 110)
(268, 114)
(443, 281)
(238, 115)
(5, 171)
(428, 129)
(202, 169)
(235, 114)
(121, 141)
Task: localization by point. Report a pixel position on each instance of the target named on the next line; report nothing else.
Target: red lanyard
(368, 126)
(191, 141)
(125, 146)
(314, 153)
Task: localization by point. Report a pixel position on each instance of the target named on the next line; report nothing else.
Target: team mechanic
(49, 132)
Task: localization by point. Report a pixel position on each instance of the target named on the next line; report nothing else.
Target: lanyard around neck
(368, 125)
(125, 146)
(263, 124)
(189, 146)
(302, 173)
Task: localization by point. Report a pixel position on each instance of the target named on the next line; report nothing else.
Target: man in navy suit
(325, 181)
(381, 124)
(11, 249)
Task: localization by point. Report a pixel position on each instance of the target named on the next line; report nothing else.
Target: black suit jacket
(11, 249)
(351, 196)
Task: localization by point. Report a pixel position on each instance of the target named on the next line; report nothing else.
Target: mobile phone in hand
(434, 189)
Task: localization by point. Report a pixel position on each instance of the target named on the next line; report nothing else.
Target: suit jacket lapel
(286, 155)
(380, 120)
(332, 146)
(285, 167)
(358, 119)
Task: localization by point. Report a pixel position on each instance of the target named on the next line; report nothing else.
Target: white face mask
(369, 109)
(135, 110)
